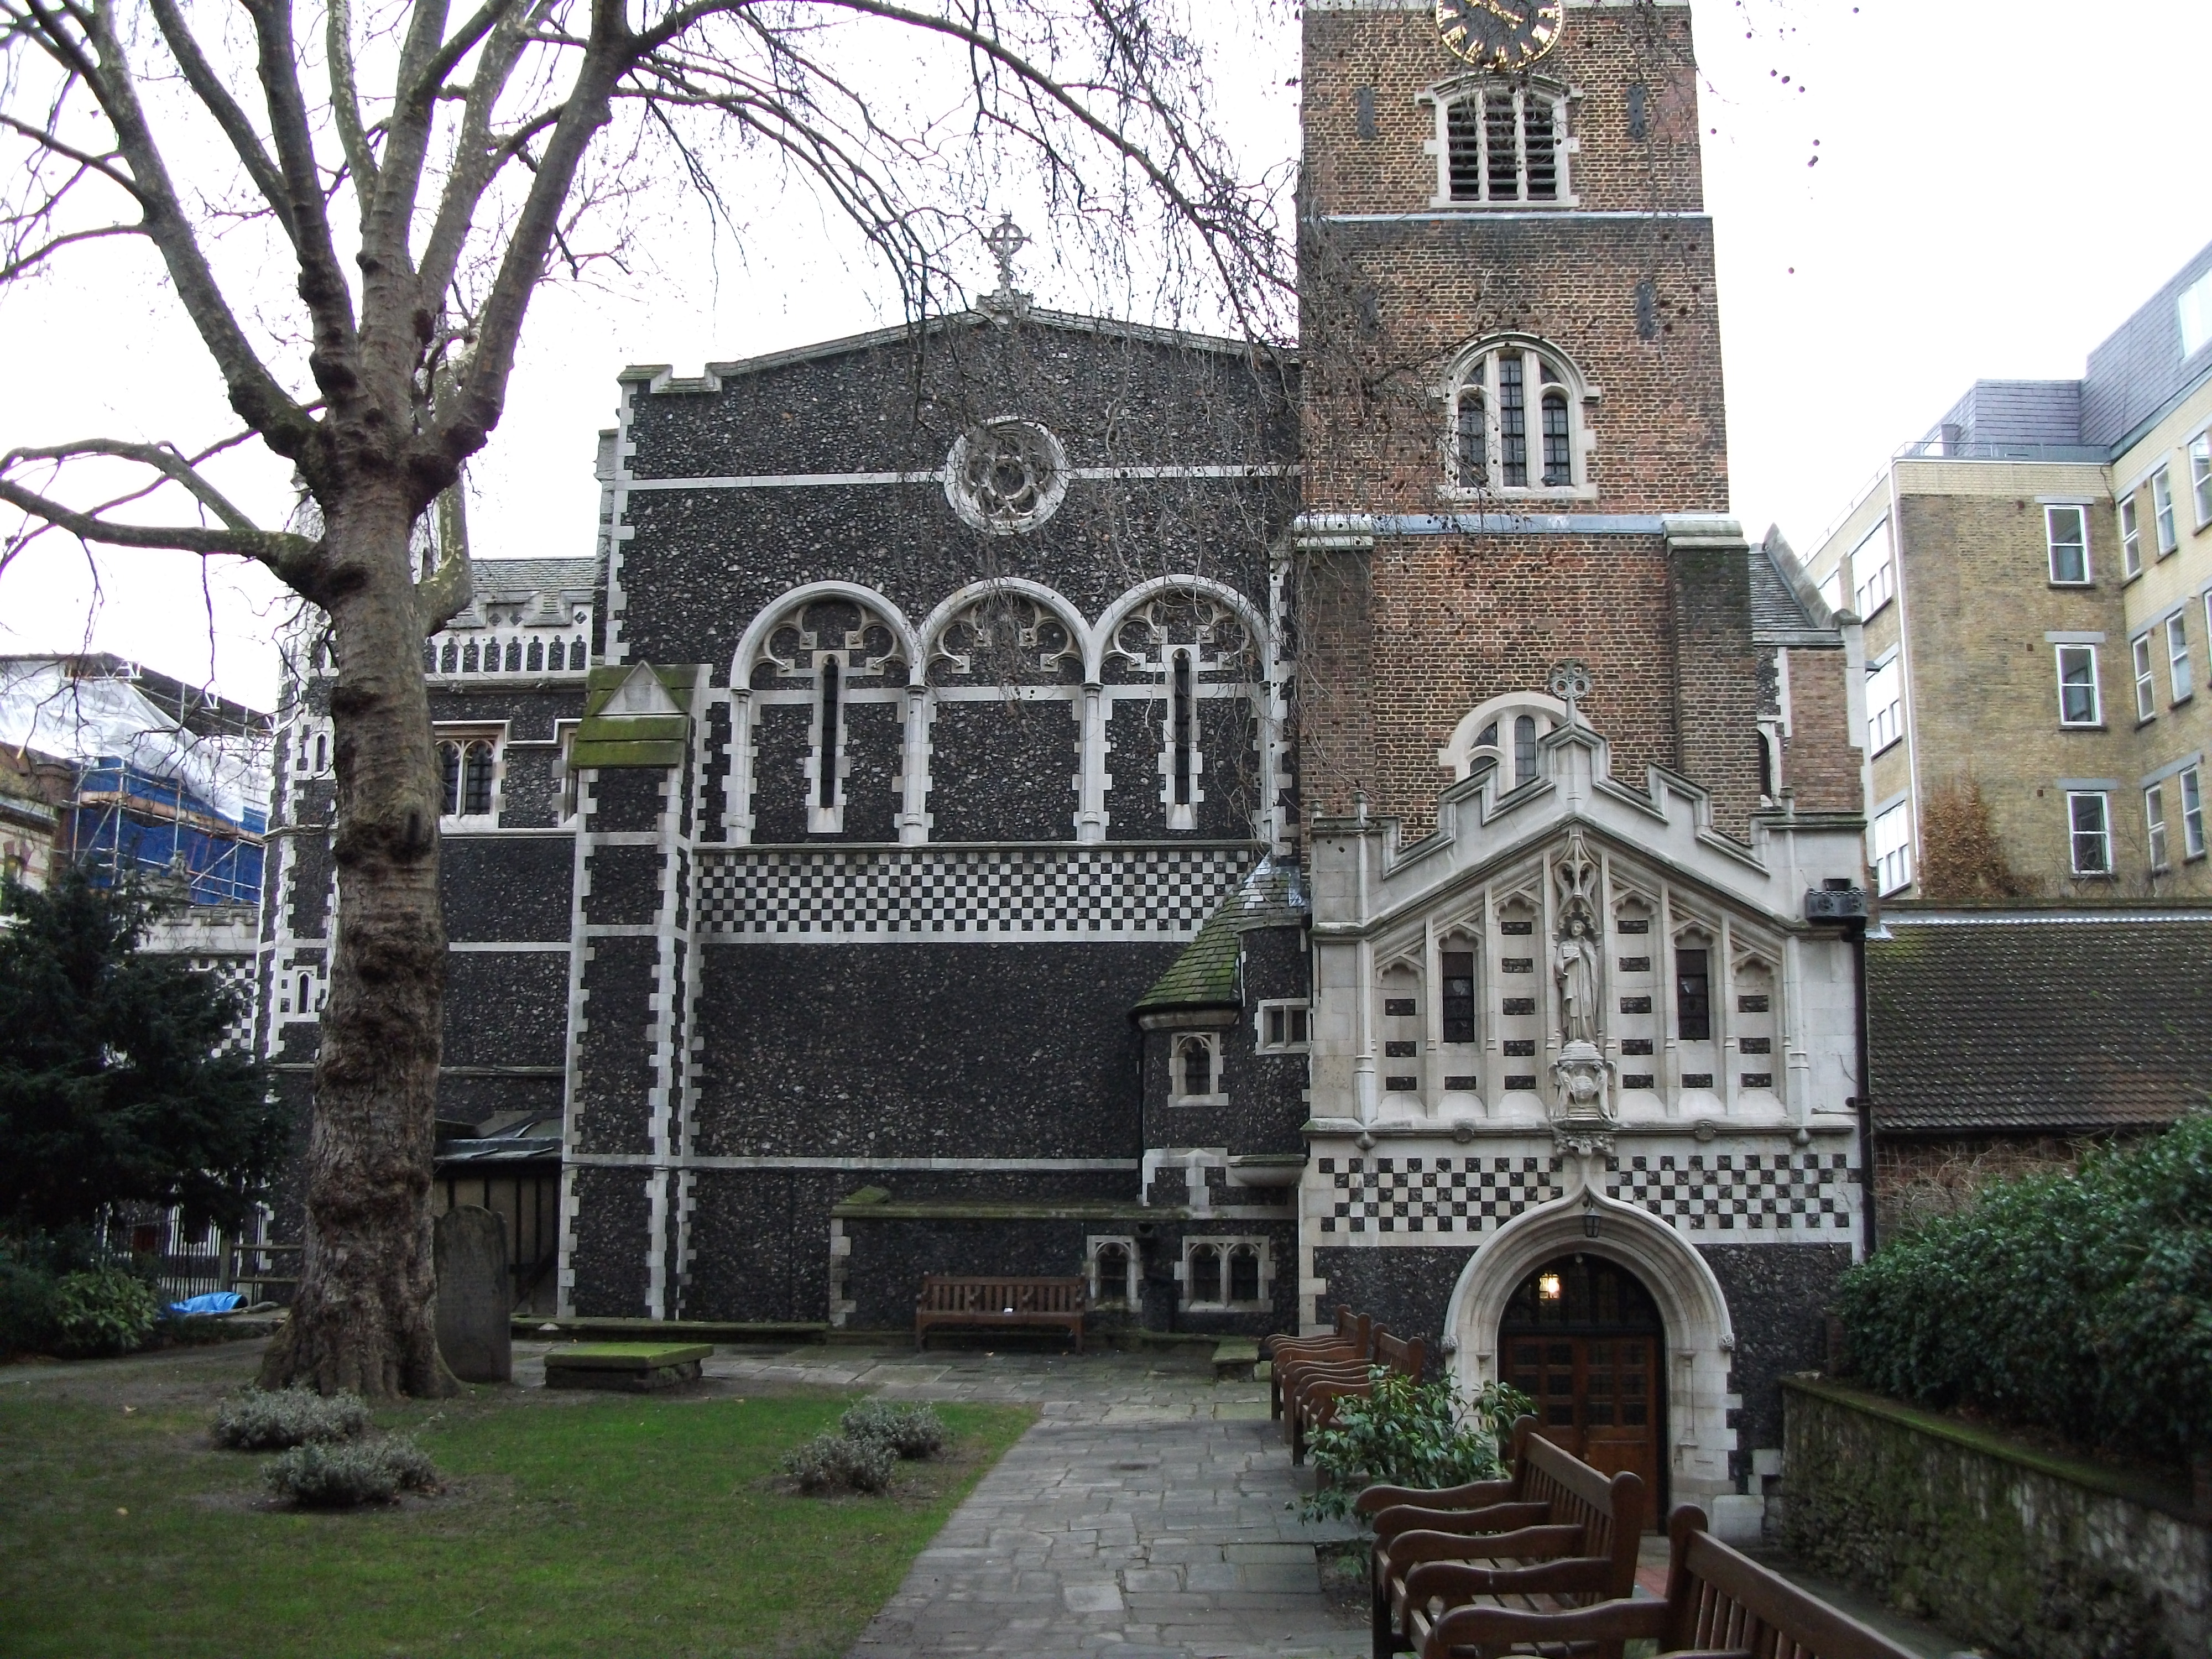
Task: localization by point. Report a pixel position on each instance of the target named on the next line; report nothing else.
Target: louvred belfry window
(1505, 144)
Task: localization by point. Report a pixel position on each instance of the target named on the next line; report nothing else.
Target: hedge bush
(1409, 1434)
(103, 1310)
(272, 1421)
(320, 1476)
(30, 1305)
(911, 1431)
(2081, 1303)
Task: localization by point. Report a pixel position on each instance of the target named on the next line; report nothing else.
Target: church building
(1038, 793)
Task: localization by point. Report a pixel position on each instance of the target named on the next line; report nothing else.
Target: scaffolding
(166, 781)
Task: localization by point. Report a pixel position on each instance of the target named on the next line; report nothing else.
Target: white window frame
(2052, 544)
(2193, 313)
(2146, 687)
(2191, 789)
(2200, 477)
(1215, 1094)
(1286, 1006)
(1831, 588)
(1193, 1242)
(464, 736)
(1444, 97)
(1885, 705)
(2085, 654)
(1889, 845)
(1873, 589)
(2155, 824)
(2130, 537)
(1476, 373)
(2177, 665)
(2161, 508)
(2099, 837)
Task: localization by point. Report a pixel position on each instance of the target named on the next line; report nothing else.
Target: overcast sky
(1997, 188)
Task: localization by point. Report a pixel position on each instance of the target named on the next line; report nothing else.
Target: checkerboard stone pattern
(1746, 1192)
(980, 893)
(1448, 1194)
(1753, 1192)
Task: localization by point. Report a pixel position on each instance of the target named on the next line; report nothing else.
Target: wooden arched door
(1582, 1337)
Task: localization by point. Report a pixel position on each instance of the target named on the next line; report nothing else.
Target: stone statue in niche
(1575, 964)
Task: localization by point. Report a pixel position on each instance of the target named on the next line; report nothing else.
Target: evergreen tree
(110, 1088)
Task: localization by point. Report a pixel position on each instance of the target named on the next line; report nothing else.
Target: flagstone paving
(1151, 1511)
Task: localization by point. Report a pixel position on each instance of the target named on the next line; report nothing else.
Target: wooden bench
(625, 1367)
(993, 1301)
(1719, 1605)
(1556, 1534)
(1352, 1339)
(1313, 1390)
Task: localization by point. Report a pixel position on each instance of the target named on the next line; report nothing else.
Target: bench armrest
(1523, 1545)
(1608, 1622)
(1474, 1495)
(1461, 1581)
(1498, 1517)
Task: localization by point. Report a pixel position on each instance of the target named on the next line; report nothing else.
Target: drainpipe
(1864, 1100)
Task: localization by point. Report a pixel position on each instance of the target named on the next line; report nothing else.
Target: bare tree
(414, 179)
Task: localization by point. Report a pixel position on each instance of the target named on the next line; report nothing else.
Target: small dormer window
(1504, 145)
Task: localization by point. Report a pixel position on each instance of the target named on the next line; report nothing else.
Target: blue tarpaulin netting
(212, 1302)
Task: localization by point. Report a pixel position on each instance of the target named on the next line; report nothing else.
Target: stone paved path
(1147, 1513)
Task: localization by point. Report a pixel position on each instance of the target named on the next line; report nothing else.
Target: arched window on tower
(1183, 714)
(1513, 426)
(826, 747)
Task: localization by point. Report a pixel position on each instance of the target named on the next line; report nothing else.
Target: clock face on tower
(1499, 35)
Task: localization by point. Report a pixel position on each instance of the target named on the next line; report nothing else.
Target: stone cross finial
(1570, 683)
(1006, 239)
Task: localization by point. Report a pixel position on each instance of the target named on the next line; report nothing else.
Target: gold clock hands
(1516, 19)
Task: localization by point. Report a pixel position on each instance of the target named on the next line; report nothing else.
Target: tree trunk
(364, 1316)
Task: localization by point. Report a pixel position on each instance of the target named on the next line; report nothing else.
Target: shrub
(320, 1476)
(255, 1421)
(102, 1310)
(2081, 1303)
(30, 1306)
(1410, 1434)
(909, 1430)
(829, 1462)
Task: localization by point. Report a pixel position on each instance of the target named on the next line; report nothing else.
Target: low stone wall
(2032, 1555)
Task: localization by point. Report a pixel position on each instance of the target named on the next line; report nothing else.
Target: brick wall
(1819, 763)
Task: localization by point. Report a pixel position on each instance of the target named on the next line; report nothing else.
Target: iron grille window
(1693, 1000)
(1502, 144)
(1559, 453)
(1512, 421)
(1459, 996)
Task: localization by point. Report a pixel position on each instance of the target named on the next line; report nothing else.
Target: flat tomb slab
(625, 1367)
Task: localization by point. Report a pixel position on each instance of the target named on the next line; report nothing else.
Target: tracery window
(1195, 1077)
(1227, 1273)
(1513, 424)
(467, 774)
(1500, 143)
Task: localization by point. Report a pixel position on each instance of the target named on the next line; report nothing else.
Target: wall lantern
(1592, 1223)
(1547, 1286)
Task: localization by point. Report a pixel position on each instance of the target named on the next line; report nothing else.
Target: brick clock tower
(1576, 759)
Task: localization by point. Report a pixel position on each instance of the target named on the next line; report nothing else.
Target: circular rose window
(1005, 477)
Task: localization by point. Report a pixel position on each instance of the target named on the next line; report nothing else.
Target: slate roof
(2030, 1022)
(1783, 601)
(515, 579)
(1205, 975)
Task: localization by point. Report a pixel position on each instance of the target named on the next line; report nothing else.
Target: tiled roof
(1782, 598)
(2039, 1021)
(1205, 975)
(514, 579)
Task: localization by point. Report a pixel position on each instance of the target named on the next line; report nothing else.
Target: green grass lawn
(602, 1525)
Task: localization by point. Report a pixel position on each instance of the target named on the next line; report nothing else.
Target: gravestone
(475, 1295)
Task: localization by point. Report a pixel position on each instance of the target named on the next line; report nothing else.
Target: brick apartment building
(2034, 579)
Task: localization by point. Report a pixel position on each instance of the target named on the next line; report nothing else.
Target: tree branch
(228, 114)
(345, 97)
(296, 560)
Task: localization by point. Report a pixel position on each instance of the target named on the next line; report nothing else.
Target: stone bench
(624, 1367)
(1234, 1359)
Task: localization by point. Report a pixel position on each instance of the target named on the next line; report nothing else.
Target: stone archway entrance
(1690, 1351)
(1583, 1339)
